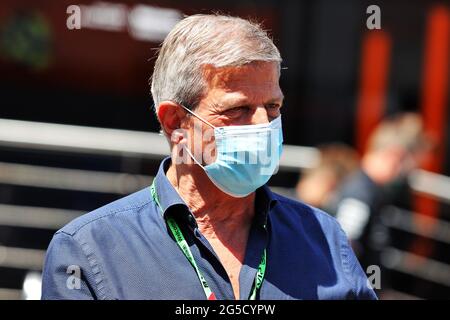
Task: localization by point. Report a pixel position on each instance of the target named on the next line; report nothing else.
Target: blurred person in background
(209, 228)
(317, 186)
(396, 147)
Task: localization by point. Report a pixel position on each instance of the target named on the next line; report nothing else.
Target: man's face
(243, 95)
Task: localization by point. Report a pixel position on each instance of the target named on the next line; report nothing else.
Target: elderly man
(208, 227)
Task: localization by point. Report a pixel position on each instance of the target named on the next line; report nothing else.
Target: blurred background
(365, 124)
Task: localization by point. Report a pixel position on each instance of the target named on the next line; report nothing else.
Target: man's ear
(170, 115)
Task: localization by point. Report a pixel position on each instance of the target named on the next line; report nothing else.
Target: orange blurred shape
(435, 95)
(371, 104)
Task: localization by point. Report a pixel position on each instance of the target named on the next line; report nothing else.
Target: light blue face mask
(246, 156)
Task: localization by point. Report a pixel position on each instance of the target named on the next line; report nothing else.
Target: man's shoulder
(128, 204)
(301, 211)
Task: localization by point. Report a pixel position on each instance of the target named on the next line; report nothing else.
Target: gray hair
(200, 40)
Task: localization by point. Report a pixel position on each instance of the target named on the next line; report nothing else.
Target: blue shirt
(125, 250)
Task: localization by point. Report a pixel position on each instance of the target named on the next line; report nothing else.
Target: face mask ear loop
(204, 121)
(198, 117)
(192, 156)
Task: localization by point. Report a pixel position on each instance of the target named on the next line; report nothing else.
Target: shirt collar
(167, 195)
(169, 198)
(265, 200)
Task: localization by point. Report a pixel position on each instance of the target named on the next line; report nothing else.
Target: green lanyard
(181, 242)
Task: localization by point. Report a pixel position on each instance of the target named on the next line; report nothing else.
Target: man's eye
(273, 109)
(237, 111)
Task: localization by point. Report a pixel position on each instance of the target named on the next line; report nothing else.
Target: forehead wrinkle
(249, 84)
(224, 77)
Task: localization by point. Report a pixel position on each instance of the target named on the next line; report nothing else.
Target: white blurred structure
(31, 289)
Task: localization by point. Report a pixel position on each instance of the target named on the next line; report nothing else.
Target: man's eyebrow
(233, 102)
(244, 101)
